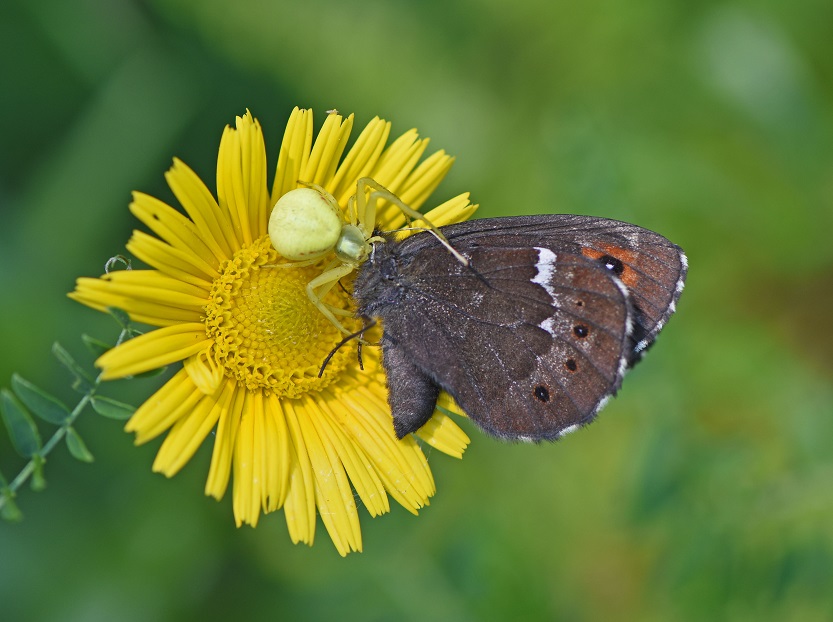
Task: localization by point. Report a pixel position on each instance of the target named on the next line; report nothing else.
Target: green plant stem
(29, 468)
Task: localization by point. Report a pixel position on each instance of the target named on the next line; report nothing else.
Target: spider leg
(293, 264)
(320, 287)
(379, 191)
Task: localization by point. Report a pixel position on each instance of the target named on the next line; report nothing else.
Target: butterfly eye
(612, 264)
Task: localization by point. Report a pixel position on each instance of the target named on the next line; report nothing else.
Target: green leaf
(96, 346)
(9, 510)
(77, 447)
(112, 409)
(120, 316)
(22, 429)
(45, 406)
(83, 383)
(38, 478)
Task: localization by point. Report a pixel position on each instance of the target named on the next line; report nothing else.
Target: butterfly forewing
(652, 269)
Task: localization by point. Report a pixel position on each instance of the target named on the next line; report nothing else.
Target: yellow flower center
(267, 332)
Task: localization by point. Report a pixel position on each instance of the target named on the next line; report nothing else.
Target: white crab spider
(306, 224)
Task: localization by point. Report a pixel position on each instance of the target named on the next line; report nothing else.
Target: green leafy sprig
(21, 404)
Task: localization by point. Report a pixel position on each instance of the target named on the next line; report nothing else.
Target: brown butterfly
(534, 334)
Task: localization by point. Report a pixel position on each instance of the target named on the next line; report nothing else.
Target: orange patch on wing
(629, 276)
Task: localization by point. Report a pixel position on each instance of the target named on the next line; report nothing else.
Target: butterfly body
(532, 336)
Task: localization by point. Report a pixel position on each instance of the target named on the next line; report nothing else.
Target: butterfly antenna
(348, 338)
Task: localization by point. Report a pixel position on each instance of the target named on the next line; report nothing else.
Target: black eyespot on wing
(581, 331)
(542, 393)
(571, 364)
(612, 264)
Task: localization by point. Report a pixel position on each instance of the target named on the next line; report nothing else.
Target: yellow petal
(443, 434)
(231, 412)
(175, 263)
(246, 500)
(398, 161)
(161, 410)
(327, 150)
(187, 435)
(358, 466)
(300, 501)
(241, 179)
(277, 447)
(360, 160)
(214, 226)
(153, 350)
(333, 494)
(204, 371)
(396, 462)
(175, 229)
(294, 154)
(97, 294)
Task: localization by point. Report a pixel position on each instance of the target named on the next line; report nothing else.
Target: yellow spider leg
(365, 212)
(383, 193)
(292, 264)
(321, 285)
(353, 211)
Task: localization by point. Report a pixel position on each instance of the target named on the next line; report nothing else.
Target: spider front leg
(366, 213)
(320, 287)
(366, 205)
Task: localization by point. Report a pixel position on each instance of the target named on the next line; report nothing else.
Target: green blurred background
(706, 489)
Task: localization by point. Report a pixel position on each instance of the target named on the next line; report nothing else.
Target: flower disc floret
(267, 333)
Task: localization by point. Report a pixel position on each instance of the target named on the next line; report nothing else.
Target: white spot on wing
(548, 325)
(623, 362)
(623, 366)
(602, 403)
(681, 282)
(568, 430)
(545, 268)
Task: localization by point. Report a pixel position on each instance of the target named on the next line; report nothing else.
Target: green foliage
(22, 429)
(108, 407)
(45, 406)
(25, 399)
(82, 381)
(76, 446)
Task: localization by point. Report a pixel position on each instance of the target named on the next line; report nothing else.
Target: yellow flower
(252, 342)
